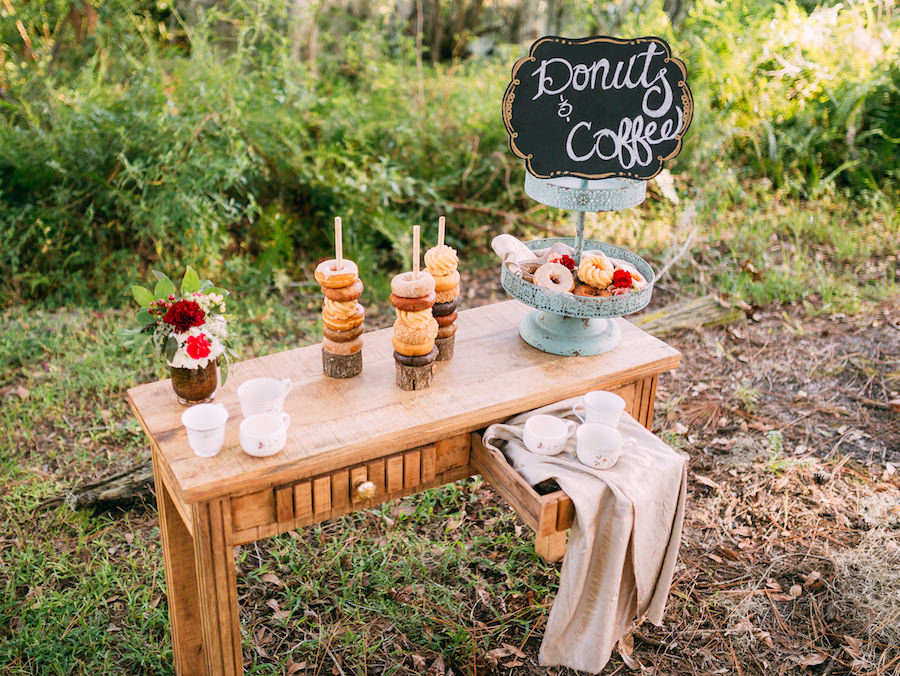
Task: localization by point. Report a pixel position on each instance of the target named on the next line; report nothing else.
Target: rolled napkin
(623, 546)
(516, 256)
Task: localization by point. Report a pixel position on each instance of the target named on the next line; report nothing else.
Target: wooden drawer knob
(365, 490)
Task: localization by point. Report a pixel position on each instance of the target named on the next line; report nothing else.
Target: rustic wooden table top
(336, 423)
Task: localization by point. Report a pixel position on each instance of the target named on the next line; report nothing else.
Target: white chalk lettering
(631, 144)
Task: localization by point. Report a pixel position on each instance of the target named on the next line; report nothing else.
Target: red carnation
(198, 347)
(184, 314)
(622, 279)
(568, 261)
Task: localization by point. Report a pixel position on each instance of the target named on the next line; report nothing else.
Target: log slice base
(414, 377)
(445, 348)
(341, 365)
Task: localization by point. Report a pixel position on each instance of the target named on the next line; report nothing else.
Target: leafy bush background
(154, 143)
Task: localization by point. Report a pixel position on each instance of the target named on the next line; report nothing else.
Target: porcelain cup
(600, 446)
(263, 434)
(600, 407)
(205, 425)
(263, 395)
(547, 434)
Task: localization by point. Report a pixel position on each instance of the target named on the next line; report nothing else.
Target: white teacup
(264, 433)
(263, 395)
(205, 424)
(547, 434)
(600, 446)
(601, 407)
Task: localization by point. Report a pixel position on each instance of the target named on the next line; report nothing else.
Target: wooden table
(345, 432)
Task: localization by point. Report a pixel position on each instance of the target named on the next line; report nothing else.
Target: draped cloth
(623, 546)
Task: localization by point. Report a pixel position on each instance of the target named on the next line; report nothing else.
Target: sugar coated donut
(555, 277)
(412, 350)
(328, 274)
(446, 331)
(441, 309)
(349, 347)
(446, 320)
(446, 282)
(595, 269)
(441, 260)
(342, 336)
(342, 310)
(446, 296)
(344, 293)
(423, 360)
(412, 304)
(406, 285)
(342, 324)
(416, 320)
(415, 336)
(586, 290)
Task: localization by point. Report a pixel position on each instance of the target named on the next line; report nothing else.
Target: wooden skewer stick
(415, 251)
(441, 224)
(338, 243)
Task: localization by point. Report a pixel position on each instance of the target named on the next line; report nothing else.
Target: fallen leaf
(272, 578)
(514, 651)
(706, 481)
(796, 590)
(743, 625)
(813, 659)
(418, 661)
(294, 667)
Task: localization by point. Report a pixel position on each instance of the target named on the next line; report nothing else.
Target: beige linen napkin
(623, 546)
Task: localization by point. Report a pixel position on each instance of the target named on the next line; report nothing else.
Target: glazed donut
(596, 270)
(407, 286)
(412, 304)
(415, 336)
(341, 310)
(416, 320)
(441, 309)
(441, 260)
(328, 275)
(446, 320)
(412, 350)
(344, 293)
(446, 282)
(423, 360)
(555, 277)
(342, 336)
(586, 290)
(446, 331)
(349, 347)
(342, 324)
(446, 296)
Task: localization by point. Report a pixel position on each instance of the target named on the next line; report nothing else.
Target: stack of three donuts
(342, 317)
(415, 329)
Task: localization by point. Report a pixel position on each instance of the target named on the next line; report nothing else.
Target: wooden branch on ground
(689, 314)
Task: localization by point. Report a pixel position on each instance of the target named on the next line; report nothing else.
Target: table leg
(551, 548)
(217, 585)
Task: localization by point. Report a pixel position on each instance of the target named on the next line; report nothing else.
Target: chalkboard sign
(597, 107)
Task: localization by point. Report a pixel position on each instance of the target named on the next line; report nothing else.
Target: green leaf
(164, 288)
(223, 370)
(170, 348)
(159, 275)
(143, 296)
(191, 282)
(205, 284)
(145, 318)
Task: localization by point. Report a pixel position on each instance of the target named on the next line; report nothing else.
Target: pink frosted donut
(407, 286)
(555, 277)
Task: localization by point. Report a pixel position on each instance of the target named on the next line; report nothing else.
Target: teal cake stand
(563, 323)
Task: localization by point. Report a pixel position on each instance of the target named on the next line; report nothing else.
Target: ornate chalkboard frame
(535, 130)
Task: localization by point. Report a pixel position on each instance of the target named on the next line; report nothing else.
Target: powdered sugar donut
(328, 274)
(406, 285)
(555, 277)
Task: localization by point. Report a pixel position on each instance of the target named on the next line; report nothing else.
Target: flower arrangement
(187, 326)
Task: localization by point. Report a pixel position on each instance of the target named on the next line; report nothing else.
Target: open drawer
(551, 515)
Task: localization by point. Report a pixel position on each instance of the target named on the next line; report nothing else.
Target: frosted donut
(423, 360)
(586, 290)
(446, 331)
(596, 270)
(441, 309)
(342, 336)
(412, 304)
(407, 286)
(446, 320)
(344, 293)
(416, 320)
(412, 350)
(555, 277)
(328, 275)
(415, 336)
(343, 324)
(342, 310)
(636, 277)
(441, 260)
(349, 347)
(446, 282)
(446, 296)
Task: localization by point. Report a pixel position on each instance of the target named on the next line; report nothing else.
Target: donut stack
(342, 316)
(414, 330)
(441, 261)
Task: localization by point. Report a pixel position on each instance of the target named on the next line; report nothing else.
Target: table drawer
(280, 508)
